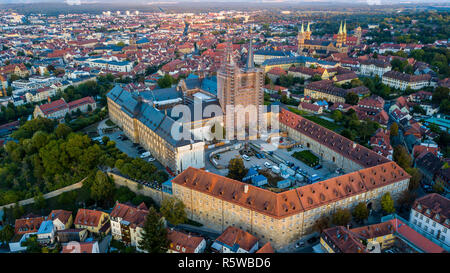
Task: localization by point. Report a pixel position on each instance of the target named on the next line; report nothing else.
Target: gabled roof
(236, 238)
(182, 242)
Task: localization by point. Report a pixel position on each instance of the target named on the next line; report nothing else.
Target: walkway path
(47, 195)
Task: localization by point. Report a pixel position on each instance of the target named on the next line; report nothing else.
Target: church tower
(340, 36)
(301, 39)
(240, 86)
(358, 35)
(344, 33)
(308, 32)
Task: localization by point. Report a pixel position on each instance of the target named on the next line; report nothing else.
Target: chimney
(246, 188)
(49, 99)
(354, 145)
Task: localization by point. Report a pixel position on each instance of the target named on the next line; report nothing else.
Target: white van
(145, 154)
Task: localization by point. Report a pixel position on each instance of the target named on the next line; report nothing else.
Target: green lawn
(307, 157)
(322, 122)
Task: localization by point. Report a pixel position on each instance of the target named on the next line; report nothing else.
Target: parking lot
(126, 146)
(274, 158)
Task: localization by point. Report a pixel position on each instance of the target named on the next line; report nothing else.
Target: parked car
(145, 155)
(300, 244)
(246, 157)
(151, 159)
(267, 164)
(312, 240)
(317, 167)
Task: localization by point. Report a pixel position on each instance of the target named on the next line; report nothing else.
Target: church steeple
(308, 29)
(302, 29)
(250, 61)
(340, 29)
(345, 28)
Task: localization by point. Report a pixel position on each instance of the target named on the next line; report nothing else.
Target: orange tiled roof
(345, 147)
(134, 215)
(233, 235)
(62, 215)
(267, 248)
(280, 205)
(183, 240)
(28, 225)
(87, 217)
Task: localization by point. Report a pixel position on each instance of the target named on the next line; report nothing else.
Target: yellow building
(93, 220)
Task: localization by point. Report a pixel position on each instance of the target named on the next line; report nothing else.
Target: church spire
(340, 29)
(308, 29)
(345, 27)
(302, 29)
(250, 61)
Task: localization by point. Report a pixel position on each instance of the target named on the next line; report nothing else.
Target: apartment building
(403, 81)
(374, 67)
(325, 89)
(431, 214)
(59, 108)
(127, 222)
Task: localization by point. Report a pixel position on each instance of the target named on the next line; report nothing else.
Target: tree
(341, 217)
(173, 210)
(32, 245)
(6, 234)
(62, 130)
(39, 201)
(165, 82)
(406, 199)
(102, 187)
(154, 234)
(337, 115)
(351, 98)
(387, 203)
(394, 129)
(360, 212)
(321, 224)
(416, 177)
(236, 169)
(402, 157)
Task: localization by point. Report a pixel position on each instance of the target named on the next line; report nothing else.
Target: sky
(298, 1)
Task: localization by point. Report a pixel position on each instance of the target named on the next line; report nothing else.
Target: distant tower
(301, 39)
(344, 33)
(358, 35)
(340, 36)
(308, 33)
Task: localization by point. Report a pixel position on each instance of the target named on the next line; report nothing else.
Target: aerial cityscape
(224, 127)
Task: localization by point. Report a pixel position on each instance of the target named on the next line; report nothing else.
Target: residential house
(94, 221)
(235, 240)
(127, 222)
(181, 242)
(62, 219)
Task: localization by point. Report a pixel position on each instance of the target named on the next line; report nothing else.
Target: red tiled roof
(134, 215)
(87, 217)
(233, 235)
(267, 248)
(62, 215)
(53, 107)
(180, 241)
(28, 225)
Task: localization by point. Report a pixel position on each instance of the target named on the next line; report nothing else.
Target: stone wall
(156, 195)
